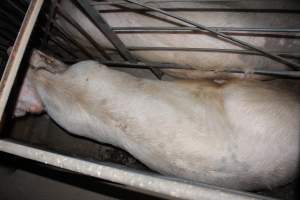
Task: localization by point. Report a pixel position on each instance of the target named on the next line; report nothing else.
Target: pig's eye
(49, 61)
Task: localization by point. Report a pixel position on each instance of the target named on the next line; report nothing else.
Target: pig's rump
(240, 134)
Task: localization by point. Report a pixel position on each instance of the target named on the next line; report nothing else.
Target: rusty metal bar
(18, 50)
(222, 35)
(69, 19)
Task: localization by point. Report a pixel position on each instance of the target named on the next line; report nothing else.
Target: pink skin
(28, 100)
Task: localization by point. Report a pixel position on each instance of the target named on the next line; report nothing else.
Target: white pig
(239, 134)
(198, 60)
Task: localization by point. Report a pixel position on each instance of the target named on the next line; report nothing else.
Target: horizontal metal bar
(147, 65)
(138, 65)
(150, 182)
(236, 51)
(281, 74)
(195, 9)
(222, 35)
(110, 2)
(189, 29)
(144, 65)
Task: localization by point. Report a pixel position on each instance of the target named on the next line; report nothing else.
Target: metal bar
(224, 36)
(105, 29)
(15, 6)
(110, 34)
(67, 37)
(69, 19)
(252, 10)
(189, 29)
(18, 50)
(237, 51)
(282, 74)
(57, 43)
(13, 19)
(147, 65)
(292, 55)
(7, 37)
(5, 24)
(9, 31)
(150, 182)
(49, 22)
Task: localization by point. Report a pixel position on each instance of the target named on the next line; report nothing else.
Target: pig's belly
(197, 60)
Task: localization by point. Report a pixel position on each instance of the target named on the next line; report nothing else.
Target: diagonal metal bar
(146, 29)
(65, 36)
(9, 17)
(52, 13)
(105, 29)
(57, 43)
(110, 34)
(70, 20)
(222, 35)
(16, 6)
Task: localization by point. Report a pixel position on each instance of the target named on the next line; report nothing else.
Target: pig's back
(232, 135)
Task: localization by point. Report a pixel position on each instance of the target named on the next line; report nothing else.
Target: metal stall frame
(112, 34)
(153, 183)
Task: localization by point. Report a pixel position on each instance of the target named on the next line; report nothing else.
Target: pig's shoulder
(87, 64)
(85, 67)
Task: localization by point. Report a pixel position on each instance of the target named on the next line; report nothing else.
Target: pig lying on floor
(240, 134)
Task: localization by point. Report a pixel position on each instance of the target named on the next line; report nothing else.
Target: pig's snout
(28, 100)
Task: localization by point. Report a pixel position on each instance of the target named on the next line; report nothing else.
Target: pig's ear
(40, 60)
(35, 58)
